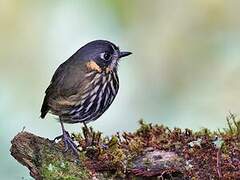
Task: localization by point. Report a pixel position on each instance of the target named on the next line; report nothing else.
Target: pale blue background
(184, 70)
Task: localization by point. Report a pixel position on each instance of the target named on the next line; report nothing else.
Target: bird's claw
(68, 142)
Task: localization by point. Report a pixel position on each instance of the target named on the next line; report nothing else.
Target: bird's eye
(105, 56)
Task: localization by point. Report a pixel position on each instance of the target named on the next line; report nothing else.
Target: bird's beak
(124, 54)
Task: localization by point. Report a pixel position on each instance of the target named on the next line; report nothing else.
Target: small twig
(237, 124)
(188, 132)
(219, 163)
(23, 129)
(93, 138)
(98, 137)
(119, 137)
(169, 130)
(229, 125)
(150, 125)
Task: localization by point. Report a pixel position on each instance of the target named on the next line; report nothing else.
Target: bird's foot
(68, 142)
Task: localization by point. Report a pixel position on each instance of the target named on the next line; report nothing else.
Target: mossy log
(152, 152)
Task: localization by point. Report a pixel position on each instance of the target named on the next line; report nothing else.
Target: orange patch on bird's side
(93, 66)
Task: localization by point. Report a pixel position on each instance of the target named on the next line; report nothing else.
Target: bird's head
(104, 53)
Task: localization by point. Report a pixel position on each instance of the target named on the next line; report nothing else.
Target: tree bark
(152, 152)
(28, 149)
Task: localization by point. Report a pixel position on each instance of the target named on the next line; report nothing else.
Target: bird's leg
(68, 142)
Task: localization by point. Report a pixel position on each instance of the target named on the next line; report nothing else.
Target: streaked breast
(98, 94)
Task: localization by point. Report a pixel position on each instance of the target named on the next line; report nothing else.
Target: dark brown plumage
(84, 86)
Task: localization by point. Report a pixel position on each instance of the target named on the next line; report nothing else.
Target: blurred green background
(184, 70)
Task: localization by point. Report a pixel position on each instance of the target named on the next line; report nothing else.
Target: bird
(83, 87)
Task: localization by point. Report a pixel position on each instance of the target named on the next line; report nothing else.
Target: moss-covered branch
(152, 152)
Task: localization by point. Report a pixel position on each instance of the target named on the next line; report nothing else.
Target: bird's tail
(45, 108)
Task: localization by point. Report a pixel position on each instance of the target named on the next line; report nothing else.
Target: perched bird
(84, 86)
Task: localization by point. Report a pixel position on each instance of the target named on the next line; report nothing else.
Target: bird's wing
(66, 82)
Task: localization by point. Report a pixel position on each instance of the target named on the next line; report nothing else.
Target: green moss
(112, 156)
(144, 128)
(233, 125)
(61, 169)
(117, 156)
(55, 166)
(204, 132)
